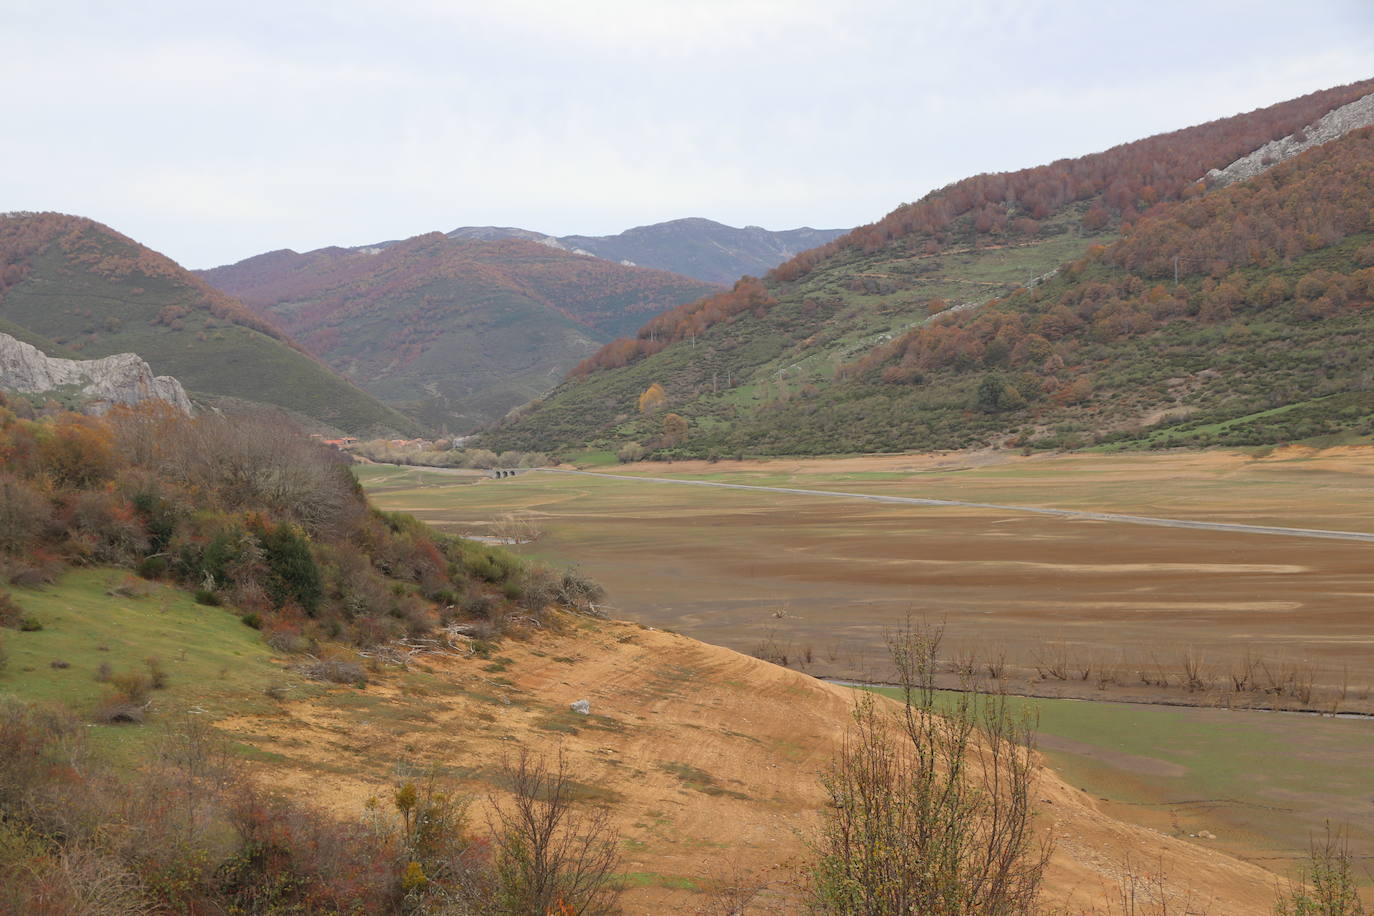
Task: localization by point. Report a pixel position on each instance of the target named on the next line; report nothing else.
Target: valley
(1008, 554)
(1121, 615)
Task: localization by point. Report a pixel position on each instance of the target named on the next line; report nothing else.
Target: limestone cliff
(1332, 126)
(123, 378)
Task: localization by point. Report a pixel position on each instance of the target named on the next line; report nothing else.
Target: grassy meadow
(104, 618)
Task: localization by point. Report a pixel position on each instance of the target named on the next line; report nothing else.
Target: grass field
(215, 665)
(821, 579)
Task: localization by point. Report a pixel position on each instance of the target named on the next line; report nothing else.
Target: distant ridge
(453, 330)
(695, 247)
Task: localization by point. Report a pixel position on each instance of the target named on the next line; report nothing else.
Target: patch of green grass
(1268, 778)
(594, 458)
(570, 723)
(215, 665)
(699, 780)
(654, 879)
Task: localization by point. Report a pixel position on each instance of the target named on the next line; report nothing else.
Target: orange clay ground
(708, 761)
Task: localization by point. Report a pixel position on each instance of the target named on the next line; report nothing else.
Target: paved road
(1035, 510)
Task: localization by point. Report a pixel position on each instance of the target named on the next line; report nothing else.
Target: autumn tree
(652, 398)
(674, 429)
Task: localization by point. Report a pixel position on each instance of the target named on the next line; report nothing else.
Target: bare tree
(552, 857)
(930, 807)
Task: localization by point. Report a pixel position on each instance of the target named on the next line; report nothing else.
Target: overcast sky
(214, 131)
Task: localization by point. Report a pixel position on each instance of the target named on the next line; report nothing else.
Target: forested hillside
(452, 331)
(72, 282)
(918, 331)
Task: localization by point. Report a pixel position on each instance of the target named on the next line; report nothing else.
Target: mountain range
(694, 247)
(1121, 298)
(1208, 285)
(453, 331)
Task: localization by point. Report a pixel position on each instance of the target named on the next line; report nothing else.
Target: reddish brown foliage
(748, 295)
(333, 287)
(1306, 203)
(1120, 182)
(100, 250)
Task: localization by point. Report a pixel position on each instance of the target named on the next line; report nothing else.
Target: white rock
(123, 378)
(1331, 126)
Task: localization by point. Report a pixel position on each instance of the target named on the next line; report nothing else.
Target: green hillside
(940, 325)
(454, 331)
(94, 292)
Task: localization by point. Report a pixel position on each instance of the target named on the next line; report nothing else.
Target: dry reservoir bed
(820, 578)
(1076, 608)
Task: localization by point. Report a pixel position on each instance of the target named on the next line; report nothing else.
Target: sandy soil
(707, 759)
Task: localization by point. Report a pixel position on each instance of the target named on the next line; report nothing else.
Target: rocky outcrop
(1332, 126)
(100, 383)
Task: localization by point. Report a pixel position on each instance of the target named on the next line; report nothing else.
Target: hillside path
(1036, 510)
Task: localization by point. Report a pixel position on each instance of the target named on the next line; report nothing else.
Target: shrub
(157, 674)
(78, 452)
(1327, 885)
(538, 588)
(578, 591)
(334, 671)
(207, 597)
(127, 701)
(551, 857)
(630, 452)
(289, 640)
(104, 527)
(23, 514)
(151, 567)
(11, 612)
(133, 685)
(930, 811)
(478, 607)
(295, 577)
